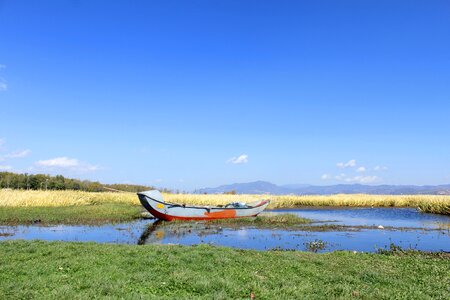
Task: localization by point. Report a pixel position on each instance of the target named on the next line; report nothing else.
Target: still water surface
(396, 217)
(414, 230)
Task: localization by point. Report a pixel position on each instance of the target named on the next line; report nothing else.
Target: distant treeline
(59, 182)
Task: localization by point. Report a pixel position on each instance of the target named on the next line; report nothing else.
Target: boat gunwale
(262, 202)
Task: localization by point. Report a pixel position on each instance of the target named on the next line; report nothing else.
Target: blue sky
(189, 94)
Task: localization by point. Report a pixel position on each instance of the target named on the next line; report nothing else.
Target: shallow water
(266, 239)
(396, 217)
(431, 233)
(126, 233)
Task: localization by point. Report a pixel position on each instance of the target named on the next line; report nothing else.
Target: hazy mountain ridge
(264, 187)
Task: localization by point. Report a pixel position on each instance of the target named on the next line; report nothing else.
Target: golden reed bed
(426, 203)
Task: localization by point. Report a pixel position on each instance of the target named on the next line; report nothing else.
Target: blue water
(396, 217)
(266, 239)
(431, 232)
(126, 233)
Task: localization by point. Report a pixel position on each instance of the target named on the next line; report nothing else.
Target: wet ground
(358, 231)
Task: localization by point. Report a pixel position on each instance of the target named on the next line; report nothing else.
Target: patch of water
(428, 238)
(125, 233)
(395, 217)
(266, 239)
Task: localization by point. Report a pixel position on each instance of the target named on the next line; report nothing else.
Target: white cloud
(2, 142)
(3, 85)
(361, 169)
(367, 179)
(363, 179)
(349, 164)
(18, 154)
(60, 162)
(340, 176)
(357, 179)
(241, 159)
(66, 163)
(380, 168)
(5, 168)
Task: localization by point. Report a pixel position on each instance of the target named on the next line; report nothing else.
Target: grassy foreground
(60, 270)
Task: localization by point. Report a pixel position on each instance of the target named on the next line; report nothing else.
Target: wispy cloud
(2, 142)
(380, 168)
(361, 169)
(66, 163)
(357, 179)
(5, 168)
(60, 162)
(361, 174)
(19, 154)
(349, 164)
(241, 159)
(3, 85)
(363, 179)
(14, 154)
(340, 177)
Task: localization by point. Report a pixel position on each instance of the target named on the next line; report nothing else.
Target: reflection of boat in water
(154, 203)
(148, 232)
(159, 231)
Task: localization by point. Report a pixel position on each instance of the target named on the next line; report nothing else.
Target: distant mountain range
(264, 187)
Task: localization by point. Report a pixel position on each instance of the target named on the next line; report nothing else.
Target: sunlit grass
(23, 198)
(264, 220)
(104, 213)
(426, 203)
(62, 270)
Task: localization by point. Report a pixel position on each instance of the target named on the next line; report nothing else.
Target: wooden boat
(154, 203)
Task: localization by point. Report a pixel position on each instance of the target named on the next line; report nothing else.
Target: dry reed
(427, 203)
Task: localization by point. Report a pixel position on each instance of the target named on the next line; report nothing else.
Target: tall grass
(23, 198)
(426, 203)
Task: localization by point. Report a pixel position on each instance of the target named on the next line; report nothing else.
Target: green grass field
(57, 270)
(78, 214)
(262, 221)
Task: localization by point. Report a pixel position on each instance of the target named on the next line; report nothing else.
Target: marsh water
(362, 229)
